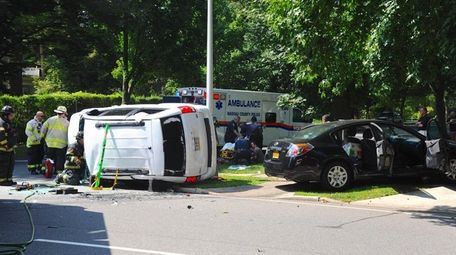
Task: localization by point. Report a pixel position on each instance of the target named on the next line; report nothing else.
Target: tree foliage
(350, 58)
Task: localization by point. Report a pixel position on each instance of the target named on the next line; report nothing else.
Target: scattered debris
(24, 186)
(64, 191)
(238, 167)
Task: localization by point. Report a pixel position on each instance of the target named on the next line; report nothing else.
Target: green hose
(100, 162)
(19, 248)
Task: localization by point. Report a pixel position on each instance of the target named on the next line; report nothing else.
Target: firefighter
(75, 163)
(7, 144)
(55, 131)
(34, 146)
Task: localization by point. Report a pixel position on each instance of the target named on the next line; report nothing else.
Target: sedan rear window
(313, 131)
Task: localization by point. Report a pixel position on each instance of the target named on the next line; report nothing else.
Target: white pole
(209, 58)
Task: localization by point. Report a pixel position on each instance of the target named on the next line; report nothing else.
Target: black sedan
(336, 153)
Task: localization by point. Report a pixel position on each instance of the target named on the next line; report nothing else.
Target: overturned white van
(167, 142)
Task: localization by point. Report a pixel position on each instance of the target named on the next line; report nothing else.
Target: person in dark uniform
(75, 163)
(8, 139)
(254, 132)
(423, 120)
(232, 130)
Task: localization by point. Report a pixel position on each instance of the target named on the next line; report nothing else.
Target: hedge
(26, 106)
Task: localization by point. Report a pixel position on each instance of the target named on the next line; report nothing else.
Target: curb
(191, 190)
(313, 199)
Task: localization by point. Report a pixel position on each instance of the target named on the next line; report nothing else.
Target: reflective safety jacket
(8, 136)
(75, 157)
(33, 132)
(55, 131)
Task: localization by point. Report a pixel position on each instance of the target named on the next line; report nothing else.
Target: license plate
(275, 155)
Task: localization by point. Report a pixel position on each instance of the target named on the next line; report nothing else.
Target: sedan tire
(449, 169)
(337, 176)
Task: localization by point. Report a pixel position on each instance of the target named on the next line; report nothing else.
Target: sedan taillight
(299, 149)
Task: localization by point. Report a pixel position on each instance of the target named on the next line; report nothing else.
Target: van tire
(337, 176)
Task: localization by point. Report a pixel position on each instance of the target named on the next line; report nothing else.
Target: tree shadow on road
(439, 215)
(53, 225)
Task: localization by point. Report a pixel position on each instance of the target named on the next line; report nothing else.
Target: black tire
(449, 170)
(337, 176)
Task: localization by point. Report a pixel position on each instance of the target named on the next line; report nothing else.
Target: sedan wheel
(337, 176)
(451, 171)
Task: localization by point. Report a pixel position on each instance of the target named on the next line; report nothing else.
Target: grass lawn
(251, 169)
(356, 193)
(228, 180)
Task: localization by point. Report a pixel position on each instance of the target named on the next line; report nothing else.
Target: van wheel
(337, 176)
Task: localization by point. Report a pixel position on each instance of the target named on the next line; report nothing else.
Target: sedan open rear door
(385, 151)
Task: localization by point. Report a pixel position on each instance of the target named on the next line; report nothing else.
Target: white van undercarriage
(168, 142)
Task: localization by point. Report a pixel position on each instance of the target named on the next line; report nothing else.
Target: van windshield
(313, 131)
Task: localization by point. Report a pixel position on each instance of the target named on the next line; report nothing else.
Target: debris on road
(65, 191)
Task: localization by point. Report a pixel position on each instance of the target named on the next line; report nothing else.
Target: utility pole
(209, 58)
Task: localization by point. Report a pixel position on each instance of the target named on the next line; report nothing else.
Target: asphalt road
(139, 222)
(162, 223)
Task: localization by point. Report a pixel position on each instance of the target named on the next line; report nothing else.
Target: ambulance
(163, 142)
(277, 123)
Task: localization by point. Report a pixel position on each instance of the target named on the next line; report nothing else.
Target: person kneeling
(257, 156)
(241, 151)
(75, 163)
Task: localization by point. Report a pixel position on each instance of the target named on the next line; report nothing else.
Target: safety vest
(33, 132)
(7, 136)
(55, 131)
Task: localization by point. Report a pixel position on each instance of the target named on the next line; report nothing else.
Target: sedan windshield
(313, 131)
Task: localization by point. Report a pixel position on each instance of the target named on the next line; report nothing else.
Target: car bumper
(294, 169)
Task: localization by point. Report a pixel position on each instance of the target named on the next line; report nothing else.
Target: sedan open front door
(434, 146)
(438, 153)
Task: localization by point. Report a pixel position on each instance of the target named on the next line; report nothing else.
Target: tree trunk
(125, 79)
(439, 93)
(15, 78)
(402, 106)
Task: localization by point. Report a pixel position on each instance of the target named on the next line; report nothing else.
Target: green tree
(327, 44)
(247, 53)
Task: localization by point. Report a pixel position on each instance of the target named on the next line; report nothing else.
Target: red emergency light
(191, 179)
(187, 109)
(216, 96)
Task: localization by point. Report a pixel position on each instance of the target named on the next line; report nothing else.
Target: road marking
(107, 247)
